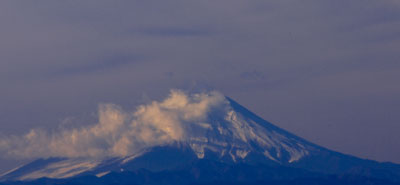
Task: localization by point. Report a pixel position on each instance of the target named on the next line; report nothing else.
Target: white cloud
(118, 132)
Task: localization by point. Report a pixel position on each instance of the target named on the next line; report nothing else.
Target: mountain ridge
(225, 132)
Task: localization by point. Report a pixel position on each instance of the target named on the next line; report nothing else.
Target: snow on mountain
(207, 122)
(237, 133)
(180, 129)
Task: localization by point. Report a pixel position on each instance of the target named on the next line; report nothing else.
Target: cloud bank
(119, 132)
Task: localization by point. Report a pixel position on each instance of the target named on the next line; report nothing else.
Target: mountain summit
(186, 131)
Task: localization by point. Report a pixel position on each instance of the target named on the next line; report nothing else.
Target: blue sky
(327, 71)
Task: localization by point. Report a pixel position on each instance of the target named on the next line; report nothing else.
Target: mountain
(231, 145)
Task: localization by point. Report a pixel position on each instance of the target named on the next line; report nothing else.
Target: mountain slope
(228, 134)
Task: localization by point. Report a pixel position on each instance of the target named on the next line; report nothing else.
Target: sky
(325, 70)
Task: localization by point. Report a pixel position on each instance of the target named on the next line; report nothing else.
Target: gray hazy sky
(327, 71)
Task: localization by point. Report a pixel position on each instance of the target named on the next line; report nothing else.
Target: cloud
(119, 132)
(105, 63)
(175, 32)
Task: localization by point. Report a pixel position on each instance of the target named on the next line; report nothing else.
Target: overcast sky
(328, 71)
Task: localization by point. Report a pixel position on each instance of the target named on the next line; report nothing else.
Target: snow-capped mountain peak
(237, 132)
(178, 131)
(190, 132)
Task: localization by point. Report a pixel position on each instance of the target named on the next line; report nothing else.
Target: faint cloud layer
(253, 75)
(175, 32)
(103, 64)
(301, 64)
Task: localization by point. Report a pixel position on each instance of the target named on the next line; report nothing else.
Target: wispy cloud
(119, 132)
(175, 32)
(103, 64)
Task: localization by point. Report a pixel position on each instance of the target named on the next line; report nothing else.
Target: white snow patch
(102, 174)
(267, 154)
(242, 153)
(130, 158)
(10, 171)
(198, 149)
(63, 169)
